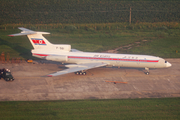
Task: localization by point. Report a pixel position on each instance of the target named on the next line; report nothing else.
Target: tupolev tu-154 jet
(82, 61)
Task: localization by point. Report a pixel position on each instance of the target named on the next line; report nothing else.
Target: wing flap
(77, 67)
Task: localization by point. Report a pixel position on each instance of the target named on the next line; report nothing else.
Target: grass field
(159, 42)
(129, 109)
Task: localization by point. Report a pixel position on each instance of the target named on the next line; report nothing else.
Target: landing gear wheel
(84, 73)
(147, 73)
(77, 73)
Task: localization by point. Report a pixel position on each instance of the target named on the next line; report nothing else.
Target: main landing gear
(80, 73)
(147, 71)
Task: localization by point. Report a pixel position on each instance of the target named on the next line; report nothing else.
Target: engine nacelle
(58, 58)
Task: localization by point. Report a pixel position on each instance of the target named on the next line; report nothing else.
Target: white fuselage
(120, 60)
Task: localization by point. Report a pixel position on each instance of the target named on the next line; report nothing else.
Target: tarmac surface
(30, 83)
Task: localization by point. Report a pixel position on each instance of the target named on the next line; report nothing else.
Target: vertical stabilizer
(38, 41)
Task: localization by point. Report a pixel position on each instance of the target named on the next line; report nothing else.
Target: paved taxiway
(30, 83)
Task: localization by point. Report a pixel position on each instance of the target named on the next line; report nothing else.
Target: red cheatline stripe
(115, 59)
(40, 54)
(49, 75)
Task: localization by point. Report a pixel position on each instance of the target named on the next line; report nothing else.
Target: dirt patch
(126, 47)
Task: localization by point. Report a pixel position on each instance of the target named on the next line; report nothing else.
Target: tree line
(87, 11)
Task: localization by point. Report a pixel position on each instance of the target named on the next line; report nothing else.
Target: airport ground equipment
(6, 75)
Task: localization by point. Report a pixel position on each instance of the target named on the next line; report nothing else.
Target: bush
(71, 28)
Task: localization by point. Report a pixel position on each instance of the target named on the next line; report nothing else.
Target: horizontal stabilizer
(27, 32)
(20, 34)
(24, 29)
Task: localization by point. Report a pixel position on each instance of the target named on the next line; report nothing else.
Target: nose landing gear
(147, 71)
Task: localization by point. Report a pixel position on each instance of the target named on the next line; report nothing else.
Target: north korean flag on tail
(38, 41)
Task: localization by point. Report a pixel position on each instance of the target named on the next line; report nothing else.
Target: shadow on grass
(23, 52)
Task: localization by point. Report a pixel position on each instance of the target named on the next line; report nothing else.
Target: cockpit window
(165, 61)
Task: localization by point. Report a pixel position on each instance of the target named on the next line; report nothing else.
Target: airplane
(80, 62)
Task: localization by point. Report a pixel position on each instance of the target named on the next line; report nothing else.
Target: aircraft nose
(168, 64)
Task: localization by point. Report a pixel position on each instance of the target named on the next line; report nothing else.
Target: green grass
(162, 43)
(131, 109)
(16, 47)
(99, 41)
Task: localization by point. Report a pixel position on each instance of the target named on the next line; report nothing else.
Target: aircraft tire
(77, 73)
(84, 73)
(147, 73)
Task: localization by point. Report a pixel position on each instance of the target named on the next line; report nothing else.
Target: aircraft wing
(77, 67)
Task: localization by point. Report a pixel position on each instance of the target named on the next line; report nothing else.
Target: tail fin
(40, 42)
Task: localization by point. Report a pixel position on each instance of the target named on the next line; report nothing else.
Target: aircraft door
(118, 62)
(138, 62)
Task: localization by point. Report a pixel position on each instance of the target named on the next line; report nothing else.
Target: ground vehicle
(6, 75)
